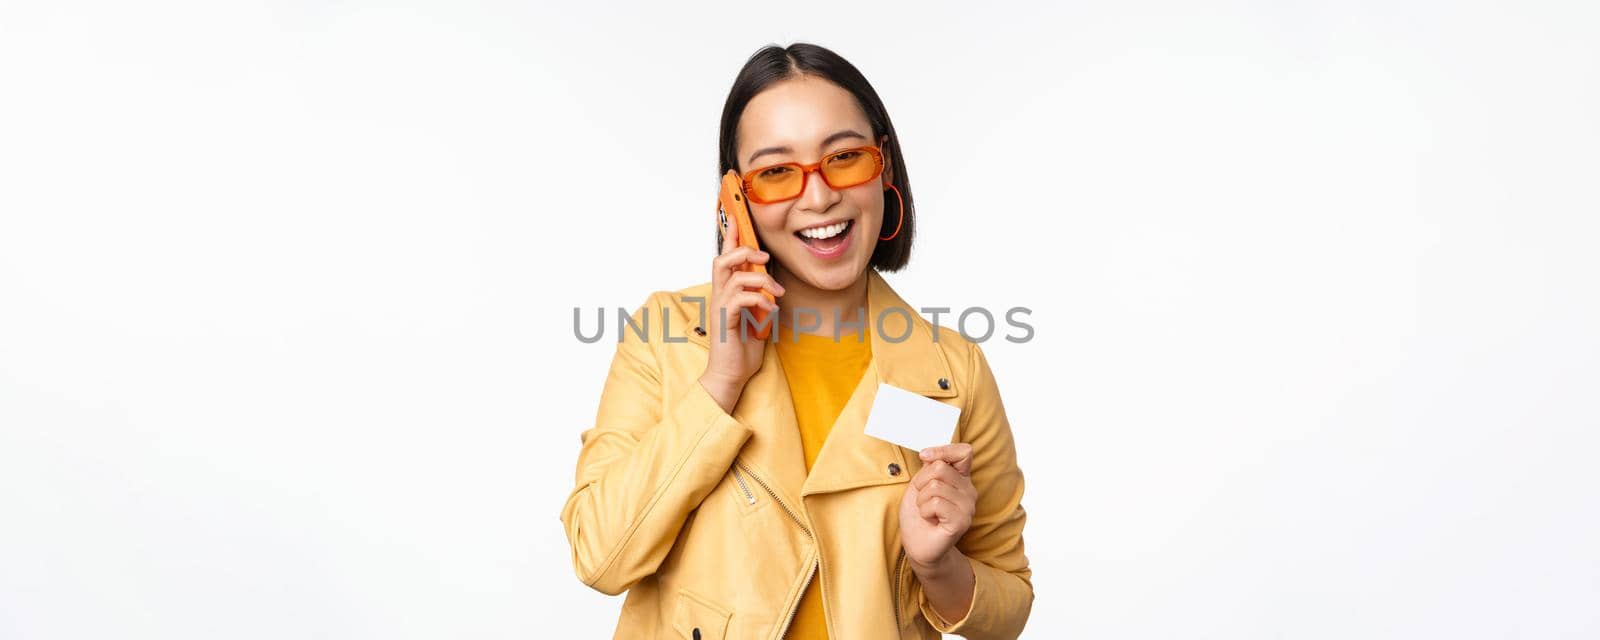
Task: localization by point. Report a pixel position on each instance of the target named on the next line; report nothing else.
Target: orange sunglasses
(840, 170)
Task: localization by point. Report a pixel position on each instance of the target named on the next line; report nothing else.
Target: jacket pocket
(699, 619)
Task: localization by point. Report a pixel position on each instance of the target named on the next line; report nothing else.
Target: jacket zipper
(739, 477)
(899, 565)
(740, 466)
(811, 574)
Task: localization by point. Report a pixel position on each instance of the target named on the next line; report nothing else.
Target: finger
(731, 261)
(724, 265)
(929, 472)
(748, 299)
(939, 490)
(958, 455)
(934, 485)
(946, 511)
(959, 489)
(928, 510)
(944, 475)
(910, 496)
(949, 475)
(754, 280)
(737, 255)
(732, 313)
(939, 509)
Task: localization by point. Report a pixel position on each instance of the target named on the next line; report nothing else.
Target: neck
(849, 305)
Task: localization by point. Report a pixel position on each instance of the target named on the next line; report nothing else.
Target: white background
(286, 298)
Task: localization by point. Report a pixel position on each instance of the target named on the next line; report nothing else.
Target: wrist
(952, 563)
(722, 389)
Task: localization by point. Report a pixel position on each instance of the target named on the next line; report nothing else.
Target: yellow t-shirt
(822, 376)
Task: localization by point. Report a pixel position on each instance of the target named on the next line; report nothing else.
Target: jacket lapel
(849, 458)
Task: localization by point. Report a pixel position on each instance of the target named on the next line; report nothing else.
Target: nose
(816, 196)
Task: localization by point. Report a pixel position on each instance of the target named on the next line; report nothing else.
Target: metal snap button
(894, 469)
(699, 331)
(944, 384)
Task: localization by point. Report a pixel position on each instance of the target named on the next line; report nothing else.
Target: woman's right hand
(734, 356)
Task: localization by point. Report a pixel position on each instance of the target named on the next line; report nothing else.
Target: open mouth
(828, 239)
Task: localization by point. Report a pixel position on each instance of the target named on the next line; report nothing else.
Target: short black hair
(772, 64)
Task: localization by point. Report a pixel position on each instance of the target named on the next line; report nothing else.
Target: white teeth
(823, 233)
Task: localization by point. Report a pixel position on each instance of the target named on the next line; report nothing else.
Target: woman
(727, 485)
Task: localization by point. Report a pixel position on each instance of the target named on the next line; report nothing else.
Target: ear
(888, 167)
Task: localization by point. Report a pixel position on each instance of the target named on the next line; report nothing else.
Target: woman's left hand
(938, 505)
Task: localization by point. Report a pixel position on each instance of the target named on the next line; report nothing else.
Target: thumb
(957, 455)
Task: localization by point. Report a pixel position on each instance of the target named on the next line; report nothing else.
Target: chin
(834, 277)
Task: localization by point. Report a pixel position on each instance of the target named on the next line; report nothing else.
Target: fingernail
(926, 454)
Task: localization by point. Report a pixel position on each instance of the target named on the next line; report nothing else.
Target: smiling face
(825, 237)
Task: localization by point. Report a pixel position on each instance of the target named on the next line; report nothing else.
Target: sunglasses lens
(776, 183)
(850, 168)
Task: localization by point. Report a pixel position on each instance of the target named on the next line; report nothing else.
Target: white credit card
(910, 419)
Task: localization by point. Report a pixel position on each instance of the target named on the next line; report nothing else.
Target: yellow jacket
(711, 524)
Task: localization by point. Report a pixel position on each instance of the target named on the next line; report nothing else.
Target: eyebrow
(837, 136)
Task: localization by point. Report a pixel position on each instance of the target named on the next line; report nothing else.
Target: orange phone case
(731, 209)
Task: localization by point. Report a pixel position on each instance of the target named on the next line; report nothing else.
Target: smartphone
(732, 210)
